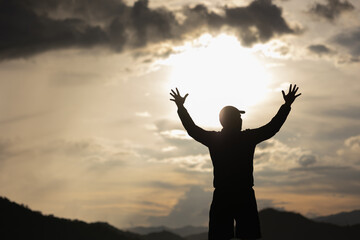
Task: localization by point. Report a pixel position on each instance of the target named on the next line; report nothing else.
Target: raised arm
(193, 130)
(267, 131)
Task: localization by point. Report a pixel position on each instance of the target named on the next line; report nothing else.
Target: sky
(88, 131)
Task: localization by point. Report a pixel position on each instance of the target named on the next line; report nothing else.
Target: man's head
(230, 118)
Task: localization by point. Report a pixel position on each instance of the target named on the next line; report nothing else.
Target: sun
(217, 71)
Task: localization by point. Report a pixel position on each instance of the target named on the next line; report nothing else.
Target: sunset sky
(88, 131)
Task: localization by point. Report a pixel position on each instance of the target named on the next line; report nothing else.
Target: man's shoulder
(247, 131)
(215, 133)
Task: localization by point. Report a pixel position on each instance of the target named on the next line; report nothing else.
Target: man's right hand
(178, 99)
(291, 95)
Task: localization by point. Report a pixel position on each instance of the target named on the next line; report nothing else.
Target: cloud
(320, 178)
(176, 140)
(94, 154)
(302, 172)
(28, 32)
(32, 27)
(176, 134)
(6, 146)
(179, 149)
(350, 40)
(336, 179)
(22, 117)
(11, 148)
(277, 155)
(198, 163)
(260, 21)
(265, 16)
(269, 203)
(278, 165)
(71, 79)
(307, 160)
(191, 209)
(349, 111)
(143, 114)
(319, 49)
(331, 10)
(350, 151)
(164, 185)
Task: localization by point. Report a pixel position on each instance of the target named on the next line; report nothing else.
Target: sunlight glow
(217, 71)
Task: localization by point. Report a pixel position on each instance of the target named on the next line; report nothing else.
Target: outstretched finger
(173, 92)
(172, 95)
(283, 93)
(297, 95)
(290, 88)
(177, 91)
(186, 96)
(294, 87)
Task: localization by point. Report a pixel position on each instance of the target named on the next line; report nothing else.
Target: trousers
(229, 206)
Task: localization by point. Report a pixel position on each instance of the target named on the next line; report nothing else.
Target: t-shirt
(232, 153)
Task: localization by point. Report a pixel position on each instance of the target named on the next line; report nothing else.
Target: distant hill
(286, 225)
(199, 236)
(341, 219)
(279, 225)
(163, 235)
(183, 231)
(19, 222)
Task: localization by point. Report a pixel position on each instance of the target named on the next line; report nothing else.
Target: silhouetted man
(232, 154)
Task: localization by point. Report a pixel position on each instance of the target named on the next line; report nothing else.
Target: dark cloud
(312, 179)
(350, 40)
(319, 49)
(330, 179)
(5, 149)
(264, 16)
(331, 10)
(339, 132)
(10, 148)
(260, 21)
(303, 172)
(29, 27)
(282, 50)
(151, 24)
(25, 32)
(266, 144)
(349, 111)
(307, 160)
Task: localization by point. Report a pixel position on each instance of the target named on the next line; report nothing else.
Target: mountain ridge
(20, 222)
(182, 231)
(342, 218)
